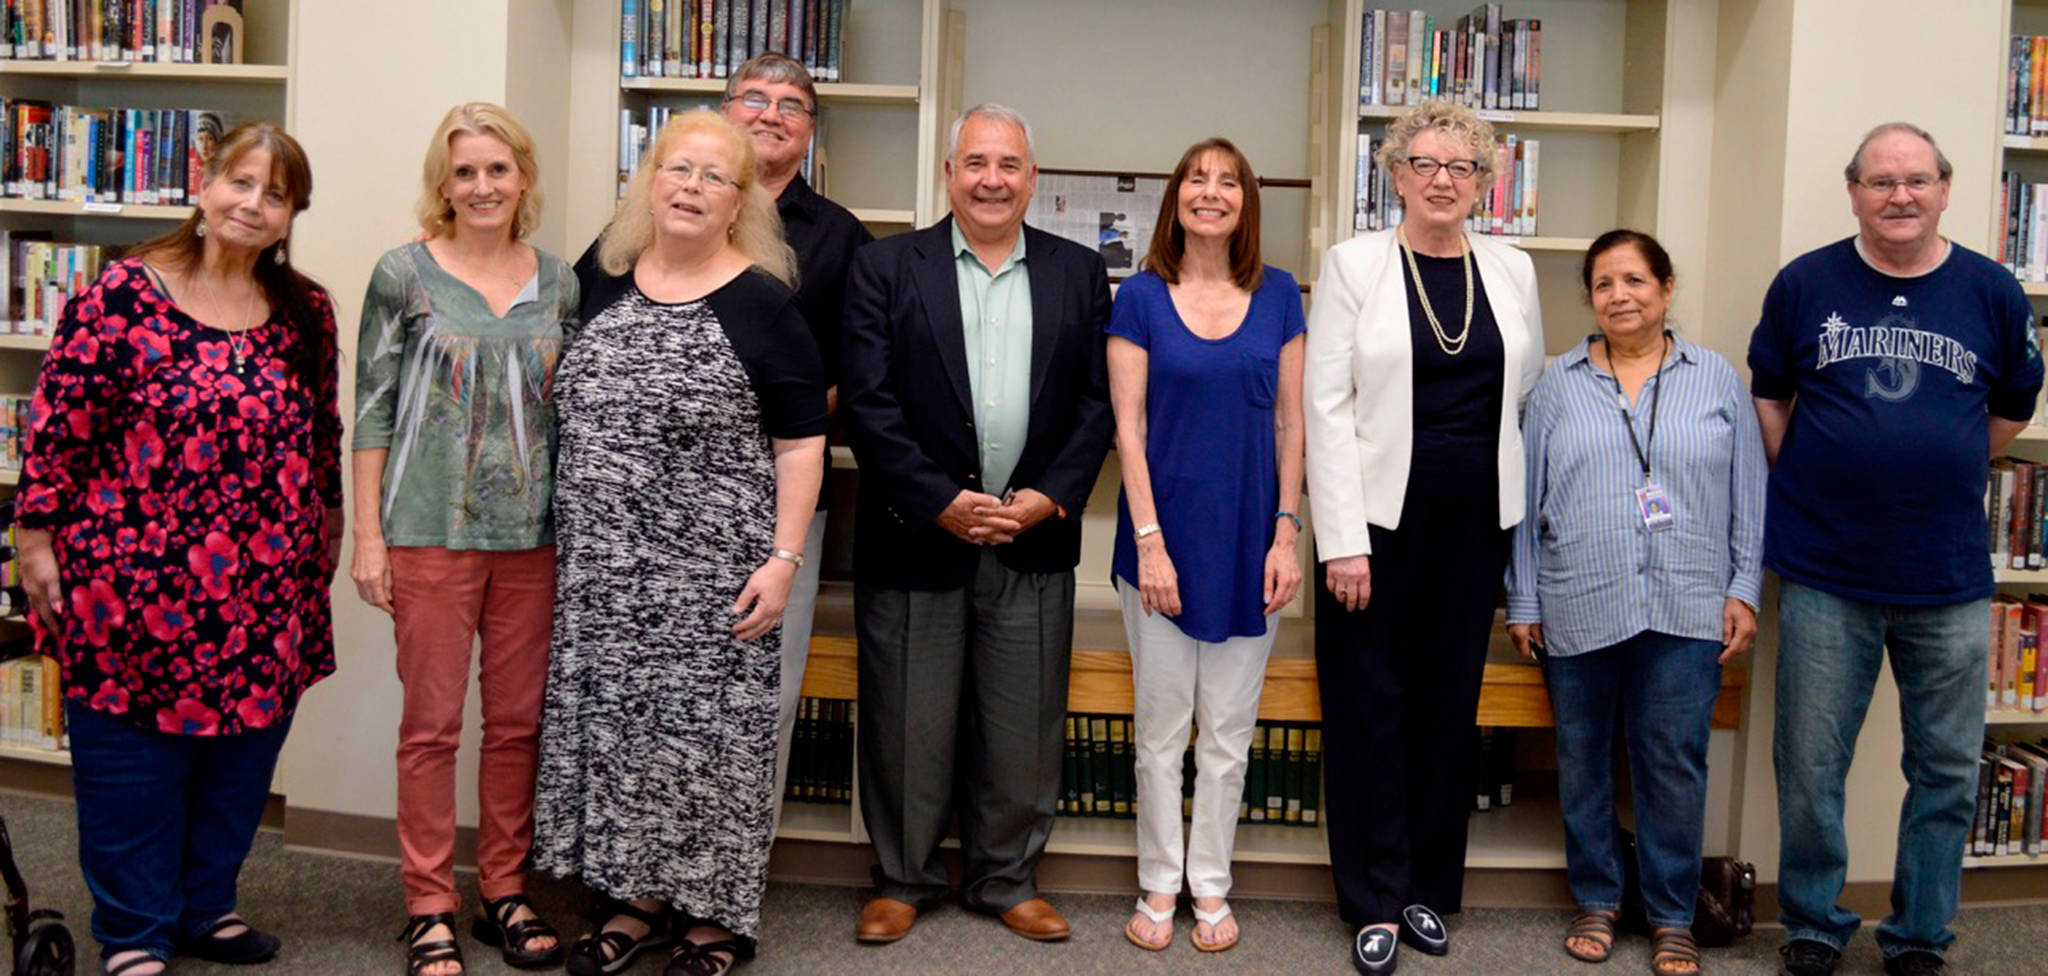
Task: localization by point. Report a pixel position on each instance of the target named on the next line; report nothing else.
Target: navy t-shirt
(1209, 448)
(1878, 491)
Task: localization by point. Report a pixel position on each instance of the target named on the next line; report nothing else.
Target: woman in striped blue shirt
(1634, 578)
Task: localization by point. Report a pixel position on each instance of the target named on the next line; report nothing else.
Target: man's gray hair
(1000, 113)
(1854, 171)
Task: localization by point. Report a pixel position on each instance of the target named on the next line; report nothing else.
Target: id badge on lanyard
(1651, 501)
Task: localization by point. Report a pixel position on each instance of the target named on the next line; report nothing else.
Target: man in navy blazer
(976, 397)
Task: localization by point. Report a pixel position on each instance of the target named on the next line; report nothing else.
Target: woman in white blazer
(1423, 341)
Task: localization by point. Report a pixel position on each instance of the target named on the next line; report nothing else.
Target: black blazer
(907, 404)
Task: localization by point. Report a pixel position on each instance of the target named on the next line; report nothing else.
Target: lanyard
(1642, 448)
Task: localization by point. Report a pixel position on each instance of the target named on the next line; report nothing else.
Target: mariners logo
(1900, 350)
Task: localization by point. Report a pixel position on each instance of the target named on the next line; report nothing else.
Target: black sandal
(1673, 949)
(419, 955)
(246, 949)
(496, 929)
(603, 953)
(143, 958)
(698, 959)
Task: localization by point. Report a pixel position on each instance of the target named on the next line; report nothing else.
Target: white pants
(796, 649)
(1175, 678)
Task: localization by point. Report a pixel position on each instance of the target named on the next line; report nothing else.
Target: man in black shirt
(772, 99)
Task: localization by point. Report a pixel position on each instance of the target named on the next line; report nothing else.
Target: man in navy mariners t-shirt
(1887, 368)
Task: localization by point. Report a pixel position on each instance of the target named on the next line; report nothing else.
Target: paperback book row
(1407, 57)
(2026, 86)
(635, 129)
(2010, 811)
(821, 752)
(709, 38)
(37, 276)
(105, 155)
(1506, 207)
(1282, 784)
(111, 30)
(31, 701)
(2017, 670)
(2023, 227)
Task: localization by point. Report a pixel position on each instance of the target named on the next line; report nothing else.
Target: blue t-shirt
(1209, 447)
(1878, 492)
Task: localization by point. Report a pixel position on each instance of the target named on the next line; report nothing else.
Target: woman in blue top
(1205, 358)
(1634, 578)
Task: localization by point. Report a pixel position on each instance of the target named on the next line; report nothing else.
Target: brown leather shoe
(1037, 920)
(886, 920)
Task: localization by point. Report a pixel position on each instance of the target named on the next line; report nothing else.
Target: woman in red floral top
(178, 515)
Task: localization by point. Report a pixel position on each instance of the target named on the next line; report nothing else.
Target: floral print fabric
(186, 497)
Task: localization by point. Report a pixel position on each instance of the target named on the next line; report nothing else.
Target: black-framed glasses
(759, 102)
(1427, 166)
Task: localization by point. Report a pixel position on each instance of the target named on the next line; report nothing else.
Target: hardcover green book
(1105, 775)
(1084, 765)
(1255, 778)
(1296, 762)
(1312, 776)
(1070, 790)
(844, 780)
(1120, 767)
(1276, 773)
(803, 751)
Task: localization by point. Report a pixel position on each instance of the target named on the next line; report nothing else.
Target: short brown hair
(775, 68)
(1169, 238)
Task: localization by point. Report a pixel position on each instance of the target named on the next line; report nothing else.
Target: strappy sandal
(1592, 926)
(702, 959)
(244, 949)
(496, 929)
(1159, 916)
(603, 953)
(419, 955)
(1214, 919)
(1671, 949)
(141, 958)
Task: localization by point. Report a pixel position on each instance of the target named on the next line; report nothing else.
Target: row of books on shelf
(31, 702)
(105, 155)
(1407, 57)
(2023, 227)
(821, 752)
(1507, 206)
(1282, 783)
(113, 30)
(2010, 811)
(2016, 670)
(709, 38)
(2026, 86)
(38, 275)
(636, 129)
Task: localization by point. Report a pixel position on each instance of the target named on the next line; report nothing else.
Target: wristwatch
(796, 558)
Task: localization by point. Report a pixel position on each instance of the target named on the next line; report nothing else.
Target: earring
(201, 229)
(278, 257)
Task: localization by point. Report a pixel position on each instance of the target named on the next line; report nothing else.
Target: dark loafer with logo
(1424, 931)
(1375, 951)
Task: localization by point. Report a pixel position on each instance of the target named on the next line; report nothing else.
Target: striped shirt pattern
(1583, 563)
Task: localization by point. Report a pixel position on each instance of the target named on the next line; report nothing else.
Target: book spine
(1070, 787)
(835, 69)
(1254, 806)
(1397, 57)
(629, 38)
(757, 28)
(1119, 760)
(1312, 776)
(2008, 686)
(1297, 745)
(1100, 757)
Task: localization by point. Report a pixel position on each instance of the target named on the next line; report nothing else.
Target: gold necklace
(1451, 345)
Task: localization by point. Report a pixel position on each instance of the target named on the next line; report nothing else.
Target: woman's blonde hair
(756, 229)
(436, 214)
(1451, 119)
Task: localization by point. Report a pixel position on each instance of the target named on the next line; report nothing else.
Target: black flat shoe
(496, 929)
(418, 954)
(603, 953)
(1424, 931)
(246, 949)
(1375, 951)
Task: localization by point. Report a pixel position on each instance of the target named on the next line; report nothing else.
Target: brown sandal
(1671, 950)
(1592, 926)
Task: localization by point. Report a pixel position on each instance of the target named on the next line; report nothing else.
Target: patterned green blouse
(464, 401)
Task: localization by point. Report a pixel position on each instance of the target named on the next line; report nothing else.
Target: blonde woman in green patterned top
(453, 470)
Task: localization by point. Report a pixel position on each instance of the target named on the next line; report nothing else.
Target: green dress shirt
(995, 313)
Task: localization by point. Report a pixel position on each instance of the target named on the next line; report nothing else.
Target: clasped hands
(986, 520)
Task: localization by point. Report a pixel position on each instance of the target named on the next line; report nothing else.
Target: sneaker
(1914, 962)
(1808, 957)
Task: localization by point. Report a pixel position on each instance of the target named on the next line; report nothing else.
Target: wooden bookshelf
(1569, 121)
(36, 754)
(38, 343)
(2035, 288)
(75, 208)
(2013, 716)
(828, 91)
(257, 74)
(2004, 861)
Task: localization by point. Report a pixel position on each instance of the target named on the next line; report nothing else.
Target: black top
(1457, 398)
(759, 317)
(824, 236)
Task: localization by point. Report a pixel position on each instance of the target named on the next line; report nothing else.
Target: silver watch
(796, 558)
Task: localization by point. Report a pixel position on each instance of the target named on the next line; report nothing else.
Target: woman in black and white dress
(692, 410)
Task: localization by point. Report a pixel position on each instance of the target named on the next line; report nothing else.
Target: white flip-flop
(1214, 919)
(1159, 916)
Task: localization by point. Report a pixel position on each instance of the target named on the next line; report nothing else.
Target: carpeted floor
(338, 917)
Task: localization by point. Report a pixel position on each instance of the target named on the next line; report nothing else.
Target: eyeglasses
(681, 172)
(1884, 185)
(1426, 167)
(759, 102)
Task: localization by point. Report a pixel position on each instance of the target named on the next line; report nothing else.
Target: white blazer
(1360, 379)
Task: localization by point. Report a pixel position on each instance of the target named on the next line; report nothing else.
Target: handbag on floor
(1725, 909)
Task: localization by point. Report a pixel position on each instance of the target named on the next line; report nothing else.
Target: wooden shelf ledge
(2026, 144)
(10, 340)
(1511, 695)
(829, 91)
(1573, 121)
(75, 208)
(224, 73)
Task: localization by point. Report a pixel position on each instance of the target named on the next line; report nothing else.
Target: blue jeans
(1663, 689)
(164, 823)
(1829, 651)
